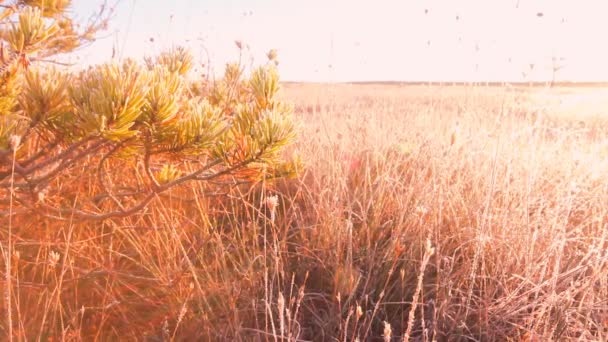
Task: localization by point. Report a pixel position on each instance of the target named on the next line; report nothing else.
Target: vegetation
(141, 203)
(54, 122)
(508, 192)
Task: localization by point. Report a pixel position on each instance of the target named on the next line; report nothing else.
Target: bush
(62, 133)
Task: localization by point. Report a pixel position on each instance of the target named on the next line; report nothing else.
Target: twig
(66, 163)
(85, 215)
(57, 157)
(147, 156)
(101, 174)
(43, 151)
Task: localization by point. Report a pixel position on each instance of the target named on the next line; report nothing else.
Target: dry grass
(479, 206)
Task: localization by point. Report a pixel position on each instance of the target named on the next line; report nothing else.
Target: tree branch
(69, 162)
(101, 173)
(147, 169)
(196, 175)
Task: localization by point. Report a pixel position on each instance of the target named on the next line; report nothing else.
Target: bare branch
(147, 155)
(101, 174)
(196, 175)
(64, 163)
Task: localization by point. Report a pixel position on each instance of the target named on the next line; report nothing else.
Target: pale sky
(350, 40)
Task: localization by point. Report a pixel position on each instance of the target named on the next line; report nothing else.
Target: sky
(380, 40)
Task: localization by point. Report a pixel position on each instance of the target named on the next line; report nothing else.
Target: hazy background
(335, 40)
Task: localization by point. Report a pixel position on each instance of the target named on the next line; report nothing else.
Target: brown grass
(479, 206)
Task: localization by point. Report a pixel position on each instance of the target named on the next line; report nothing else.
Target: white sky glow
(407, 40)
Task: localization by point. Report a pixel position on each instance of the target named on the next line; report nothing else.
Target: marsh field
(421, 213)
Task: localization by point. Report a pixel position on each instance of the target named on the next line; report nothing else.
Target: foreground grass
(476, 205)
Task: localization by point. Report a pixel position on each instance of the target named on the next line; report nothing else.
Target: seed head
(388, 332)
(54, 258)
(272, 202)
(14, 142)
(272, 55)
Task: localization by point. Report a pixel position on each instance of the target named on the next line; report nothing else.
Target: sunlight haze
(372, 41)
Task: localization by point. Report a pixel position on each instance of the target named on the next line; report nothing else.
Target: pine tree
(113, 137)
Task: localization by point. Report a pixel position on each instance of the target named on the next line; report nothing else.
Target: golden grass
(479, 205)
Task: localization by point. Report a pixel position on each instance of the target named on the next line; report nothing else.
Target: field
(421, 213)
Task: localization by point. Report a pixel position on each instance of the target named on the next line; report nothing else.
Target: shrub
(105, 141)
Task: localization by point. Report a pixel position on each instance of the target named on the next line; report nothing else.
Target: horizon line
(461, 83)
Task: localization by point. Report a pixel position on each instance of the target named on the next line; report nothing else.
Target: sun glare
(471, 40)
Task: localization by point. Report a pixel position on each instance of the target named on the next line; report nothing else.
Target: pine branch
(147, 154)
(78, 214)
(64, 161)
(101, 173)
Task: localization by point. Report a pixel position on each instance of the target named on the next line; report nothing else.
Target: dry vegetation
(476, 204)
